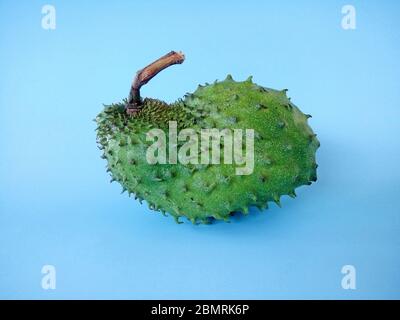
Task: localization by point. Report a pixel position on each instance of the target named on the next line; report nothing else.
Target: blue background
(57, 206)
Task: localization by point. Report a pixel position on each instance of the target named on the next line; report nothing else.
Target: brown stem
(146, 74)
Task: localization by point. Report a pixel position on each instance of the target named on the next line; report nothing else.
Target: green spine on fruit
(284, 150)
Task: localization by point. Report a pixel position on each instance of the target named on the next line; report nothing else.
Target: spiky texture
(284, 150)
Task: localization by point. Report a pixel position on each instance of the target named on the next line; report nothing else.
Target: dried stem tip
(146, 74)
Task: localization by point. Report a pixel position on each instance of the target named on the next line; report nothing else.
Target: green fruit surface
(284, 151)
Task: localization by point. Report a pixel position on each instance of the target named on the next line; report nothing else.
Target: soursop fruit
(284, 148)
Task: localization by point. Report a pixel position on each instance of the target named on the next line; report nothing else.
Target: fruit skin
(284, 151)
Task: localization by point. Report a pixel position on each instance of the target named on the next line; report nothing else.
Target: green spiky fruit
(284, 151)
